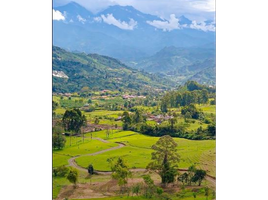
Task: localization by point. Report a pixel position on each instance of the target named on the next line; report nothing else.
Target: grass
(207, 108)
(60, 157)
(138, 152)
(59, 160)
(80, 148)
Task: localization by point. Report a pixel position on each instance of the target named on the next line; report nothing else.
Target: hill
(73, 71)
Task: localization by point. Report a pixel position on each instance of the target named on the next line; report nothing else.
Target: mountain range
(73, 71)
(125, 33)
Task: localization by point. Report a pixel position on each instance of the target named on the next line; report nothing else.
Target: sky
(198, 10)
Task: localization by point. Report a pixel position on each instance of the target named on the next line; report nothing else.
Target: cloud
(81, 19)
(97, 19)
(199, 10)
(57, 15)
(168, 25)
(109, 19)
(202, 26)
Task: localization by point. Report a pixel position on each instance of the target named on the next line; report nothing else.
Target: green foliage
(136, 189)
(191, 111)
(150, 188)
(73, 175)
(58, 139)
(90, 169)
(199, 176)
(100, 72)
(61, 171)
(73, 120)
(120, 171)
(165, 159)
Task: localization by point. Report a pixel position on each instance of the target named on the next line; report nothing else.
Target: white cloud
(168, 25)
(202, 26)
(97, 19)
(81, 19)
(57, 15)
(109, 19)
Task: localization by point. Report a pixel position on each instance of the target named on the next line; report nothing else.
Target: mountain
(206, 76)
(124, 32)
(172, 58)
(73, 71)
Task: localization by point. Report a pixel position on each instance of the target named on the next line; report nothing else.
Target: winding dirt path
(72, 162)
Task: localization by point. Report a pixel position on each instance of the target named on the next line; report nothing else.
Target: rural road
(72, 162)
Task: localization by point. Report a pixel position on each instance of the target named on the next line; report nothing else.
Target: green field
(60, 157)
(138, 152)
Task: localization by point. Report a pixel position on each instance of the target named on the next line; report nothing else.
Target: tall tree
(165, 158)
(73, 120)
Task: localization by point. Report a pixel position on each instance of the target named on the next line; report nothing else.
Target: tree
(199, 176)
(137, 118)
(183, 178)
(58, 139)
(165, 159)
(73, 120)
(90, 169)
(164, 105)
(126, 120)
(191, 172)
(120, 171)
(73, 176)
(150, 188)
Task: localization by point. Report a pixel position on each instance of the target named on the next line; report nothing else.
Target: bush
(165, 196)
(61, 171)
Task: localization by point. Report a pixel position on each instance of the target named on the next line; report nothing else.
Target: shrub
(61, 171)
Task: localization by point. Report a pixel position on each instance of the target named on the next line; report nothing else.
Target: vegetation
(165, 159)
(73, 176)
(73, 120)
(92, 71)
(120, 171)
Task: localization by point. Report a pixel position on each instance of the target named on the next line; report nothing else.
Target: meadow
(138, 152)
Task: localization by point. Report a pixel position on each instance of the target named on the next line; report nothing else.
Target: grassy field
(207, 108)
(138, 152)
(60, 157)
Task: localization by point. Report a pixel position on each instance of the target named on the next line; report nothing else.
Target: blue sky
(198, 10)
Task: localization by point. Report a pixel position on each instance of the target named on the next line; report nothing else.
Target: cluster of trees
(193, 175)
(190, 93)
(72, 121)
(177, 99)
(69, 172)
(130, 121)
(137, 122)
(191, 112)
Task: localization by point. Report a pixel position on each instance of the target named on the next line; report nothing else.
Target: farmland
(118, 126)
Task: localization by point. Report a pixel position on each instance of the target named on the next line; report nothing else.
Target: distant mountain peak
(184, 20)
